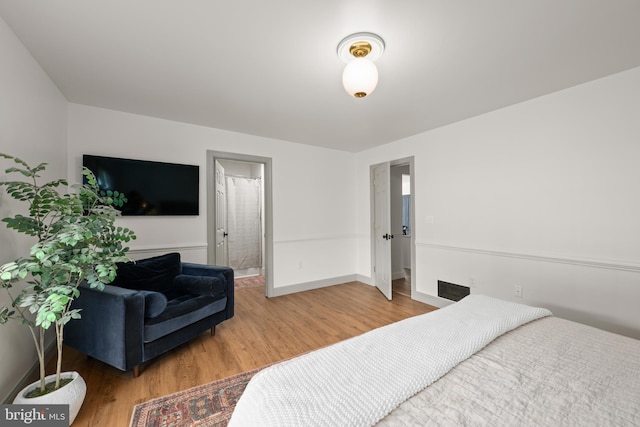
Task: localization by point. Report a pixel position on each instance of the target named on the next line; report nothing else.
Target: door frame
(412, 243)
(212, 156)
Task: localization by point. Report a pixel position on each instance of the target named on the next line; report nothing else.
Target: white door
(222, 255)
(382, 229)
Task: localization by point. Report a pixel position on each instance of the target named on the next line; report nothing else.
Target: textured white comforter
(357, 382)
(551, 372)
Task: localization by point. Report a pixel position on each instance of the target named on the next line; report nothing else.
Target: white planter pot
(71, 394)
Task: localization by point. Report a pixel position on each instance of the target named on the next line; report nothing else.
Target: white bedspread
(357, 382)
(550, 372)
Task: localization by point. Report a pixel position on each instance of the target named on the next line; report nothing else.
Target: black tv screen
(152, 188)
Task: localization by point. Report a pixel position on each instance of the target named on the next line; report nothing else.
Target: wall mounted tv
(152, 188)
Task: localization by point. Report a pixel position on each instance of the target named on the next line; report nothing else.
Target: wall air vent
(452, 291)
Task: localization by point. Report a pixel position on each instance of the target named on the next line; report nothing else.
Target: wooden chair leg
(213, 330)
(136, 371)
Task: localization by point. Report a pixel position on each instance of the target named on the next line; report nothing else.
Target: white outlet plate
(517, 291)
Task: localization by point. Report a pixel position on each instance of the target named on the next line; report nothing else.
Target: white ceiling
(270, 68)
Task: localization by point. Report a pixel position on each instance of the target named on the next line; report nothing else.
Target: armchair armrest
(111, 326)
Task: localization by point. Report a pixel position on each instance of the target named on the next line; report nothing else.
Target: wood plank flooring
(403, 286)
(263, 331)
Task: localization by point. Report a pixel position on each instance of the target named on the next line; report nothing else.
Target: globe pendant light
(360, 76)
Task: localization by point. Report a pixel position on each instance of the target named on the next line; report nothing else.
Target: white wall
(544, 194)
(313, 190)
(33, 127)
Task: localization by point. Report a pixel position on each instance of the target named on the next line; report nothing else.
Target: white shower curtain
(244, 222)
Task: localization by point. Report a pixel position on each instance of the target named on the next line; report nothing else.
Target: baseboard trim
(32, 374)
(430, 299)
(316, 284)
(583, 262)
(367, 280)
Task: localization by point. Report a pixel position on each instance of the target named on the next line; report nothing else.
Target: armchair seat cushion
(181, 312)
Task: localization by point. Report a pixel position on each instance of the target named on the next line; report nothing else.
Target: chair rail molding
(559, 259)
(192, 252)
(315, 237)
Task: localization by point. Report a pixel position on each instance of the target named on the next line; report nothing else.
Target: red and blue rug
(205, 405)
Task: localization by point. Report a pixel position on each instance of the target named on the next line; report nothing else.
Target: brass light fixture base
(359, 45)
(360, 49)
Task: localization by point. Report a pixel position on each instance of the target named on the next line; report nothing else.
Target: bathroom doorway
(239, 218)
(400, 195)
(393, 221)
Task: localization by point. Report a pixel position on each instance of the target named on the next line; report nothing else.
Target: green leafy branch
(77, 241)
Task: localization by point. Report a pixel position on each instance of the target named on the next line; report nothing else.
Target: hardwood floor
(403, 286)
(263, 331)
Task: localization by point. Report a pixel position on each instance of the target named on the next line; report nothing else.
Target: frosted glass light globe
(360, 77)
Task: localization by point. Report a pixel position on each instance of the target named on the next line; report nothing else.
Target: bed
(481, 361)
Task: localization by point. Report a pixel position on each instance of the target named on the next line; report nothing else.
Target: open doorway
(393, 222)
(244, 214)
(239, 219)
(400, 214)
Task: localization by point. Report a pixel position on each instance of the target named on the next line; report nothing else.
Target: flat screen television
(152, 188)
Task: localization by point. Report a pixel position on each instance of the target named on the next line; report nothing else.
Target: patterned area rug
(249, 282)
(205, 405)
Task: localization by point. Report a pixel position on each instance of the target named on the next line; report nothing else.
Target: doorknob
(225, 234)
(387, 236)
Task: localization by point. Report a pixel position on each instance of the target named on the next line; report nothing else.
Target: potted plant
(76, 241)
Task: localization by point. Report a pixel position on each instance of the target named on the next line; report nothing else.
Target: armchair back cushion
(199, 285)
(151, 274)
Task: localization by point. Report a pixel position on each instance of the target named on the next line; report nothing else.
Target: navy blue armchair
(153, 306)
